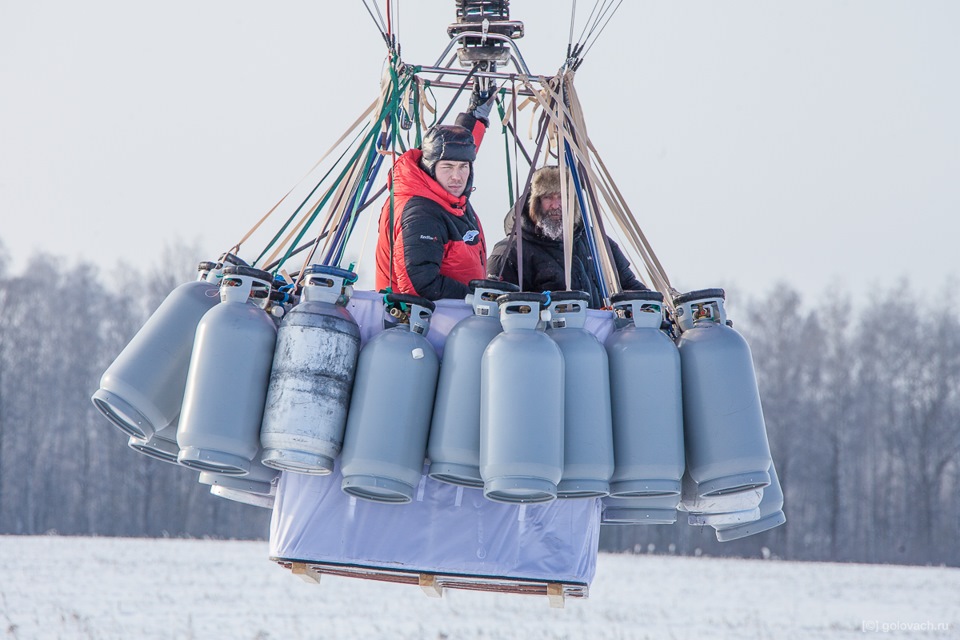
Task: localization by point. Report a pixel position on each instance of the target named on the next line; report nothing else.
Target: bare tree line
(862, 408)
(63, 468)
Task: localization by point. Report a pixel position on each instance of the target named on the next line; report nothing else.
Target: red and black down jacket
(438, 243)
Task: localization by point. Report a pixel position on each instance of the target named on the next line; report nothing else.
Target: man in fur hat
(542, 232)
(435, 245)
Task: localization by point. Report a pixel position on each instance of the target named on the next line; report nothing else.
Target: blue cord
(586, 220)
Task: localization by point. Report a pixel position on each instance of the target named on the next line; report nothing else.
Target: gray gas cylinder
(771, 514)
(257, 487)
(660, 509)
(313, 370)
(162, 445)
(141, 392)
(229, 372)
(245, 497)
(521, 406)
(454, 444)
(389, 419)
(588, 429)
(719, 508)
(646, 399)
(725, 436)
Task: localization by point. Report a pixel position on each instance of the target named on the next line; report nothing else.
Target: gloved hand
(481, 102)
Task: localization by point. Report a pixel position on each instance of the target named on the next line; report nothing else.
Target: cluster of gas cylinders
(235, 381)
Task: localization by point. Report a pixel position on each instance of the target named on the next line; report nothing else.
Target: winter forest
(862, 407)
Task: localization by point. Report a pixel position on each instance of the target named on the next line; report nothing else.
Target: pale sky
(813, 142)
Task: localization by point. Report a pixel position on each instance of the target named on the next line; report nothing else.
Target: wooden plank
(305, 571)
(555, 594)
(433, 584)
(430, 586)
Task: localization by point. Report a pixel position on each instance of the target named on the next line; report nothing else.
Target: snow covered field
(60, 587)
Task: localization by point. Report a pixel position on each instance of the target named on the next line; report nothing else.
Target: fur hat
(546, 180)
(446, 142)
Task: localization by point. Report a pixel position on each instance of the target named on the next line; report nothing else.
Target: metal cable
(381, 27)
(573, 18)
(596, 37)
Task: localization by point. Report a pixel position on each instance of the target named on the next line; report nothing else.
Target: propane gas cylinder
(660, 509)
(521, 406)
(256, 487)
(771, 514)
(718, 508)
(725, 436)
(141, 392)
(454, 444)
(227, 381)
(647, 405)
(313, 370)
(162, 445)
(588, 431)
(389, 419)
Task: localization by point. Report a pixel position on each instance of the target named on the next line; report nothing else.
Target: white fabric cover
(446, 529)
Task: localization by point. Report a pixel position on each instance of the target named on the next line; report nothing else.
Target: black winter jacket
(543, 261)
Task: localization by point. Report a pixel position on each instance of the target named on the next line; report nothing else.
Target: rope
(597, 240)
(378, 23)
(604, 184)
(367, 181)
(299, 208)
(516, 228)
(517, 234)
(597, 37)
(605, 262)
(587, 223)
(573, 18)
(236, 247)
(356, 181)
(366, 201)
(459, 91)
(366, 232)
(592, 29)
(392, 216)
(506, 121)
(341, 205)
(273, 265)
(389, 19)
(424, 89)
(580, 38)
(625, 218)
(506, 147)
(349, 173)
(566, 215)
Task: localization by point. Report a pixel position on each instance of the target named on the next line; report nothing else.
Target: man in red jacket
(435, 245)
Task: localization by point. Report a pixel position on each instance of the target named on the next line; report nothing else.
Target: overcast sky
(814, 142)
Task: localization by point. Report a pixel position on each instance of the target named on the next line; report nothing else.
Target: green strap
(506, 146)
(369, 140)
(369, 145)
(393, 149)
(297, 211)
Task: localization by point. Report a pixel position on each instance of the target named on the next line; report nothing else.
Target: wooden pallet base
(433, 584)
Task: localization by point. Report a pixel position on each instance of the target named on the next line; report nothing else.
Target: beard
(551, 228)
(550, 224)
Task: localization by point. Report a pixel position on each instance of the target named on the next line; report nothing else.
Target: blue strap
(586, 220)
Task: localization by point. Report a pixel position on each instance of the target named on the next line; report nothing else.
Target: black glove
(481, 102)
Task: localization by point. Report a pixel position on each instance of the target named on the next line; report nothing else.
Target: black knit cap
(446, 142)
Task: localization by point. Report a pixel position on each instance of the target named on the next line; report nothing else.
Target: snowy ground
(59, 587)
